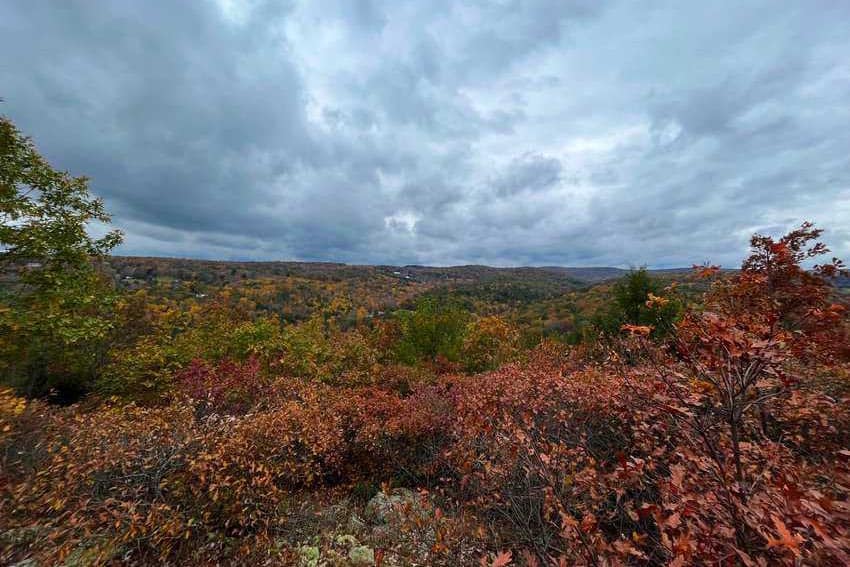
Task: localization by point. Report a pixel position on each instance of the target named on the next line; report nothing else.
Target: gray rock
(384, 508)
(361, 555)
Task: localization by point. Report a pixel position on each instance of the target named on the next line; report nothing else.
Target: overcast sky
(442, 132)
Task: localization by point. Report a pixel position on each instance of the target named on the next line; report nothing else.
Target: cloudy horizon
(506, 133)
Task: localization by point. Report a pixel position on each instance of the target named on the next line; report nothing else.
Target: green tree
(55, 309)
(433, 329)
(639, 299)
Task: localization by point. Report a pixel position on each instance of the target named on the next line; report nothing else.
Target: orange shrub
(155, 484)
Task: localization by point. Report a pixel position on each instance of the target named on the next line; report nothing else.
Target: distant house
(33, 265)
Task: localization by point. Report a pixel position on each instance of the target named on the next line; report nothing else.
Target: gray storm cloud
(534, 132)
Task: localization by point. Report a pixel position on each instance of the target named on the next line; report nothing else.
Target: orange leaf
(502, 559)
(639, 330)
(786, 539)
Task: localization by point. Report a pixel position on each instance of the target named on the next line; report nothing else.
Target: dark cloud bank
(511, 132)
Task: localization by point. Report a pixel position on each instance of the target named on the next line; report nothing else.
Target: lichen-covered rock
(346, 539)
(361, 555)
(384, 507)
(308, 556)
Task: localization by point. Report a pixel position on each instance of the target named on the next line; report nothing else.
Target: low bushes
(153, 483)
(554, 459)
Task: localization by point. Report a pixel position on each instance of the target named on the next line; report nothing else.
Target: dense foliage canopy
(56, 314)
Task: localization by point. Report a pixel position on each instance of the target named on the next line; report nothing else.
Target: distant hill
(213, 271)
(141, 268)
